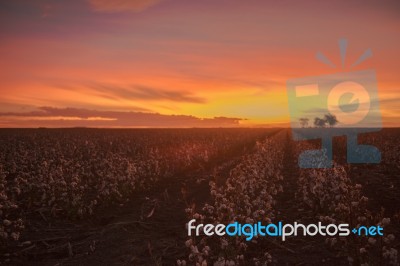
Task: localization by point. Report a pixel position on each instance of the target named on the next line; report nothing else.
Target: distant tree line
(328, 120)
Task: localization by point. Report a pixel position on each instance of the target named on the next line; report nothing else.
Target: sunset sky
(169, 63)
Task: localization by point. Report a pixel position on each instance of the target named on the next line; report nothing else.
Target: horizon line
(162, 127)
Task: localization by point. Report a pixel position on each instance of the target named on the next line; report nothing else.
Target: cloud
(76, 117)
(138, 92)
(114, 6)
(130, 92)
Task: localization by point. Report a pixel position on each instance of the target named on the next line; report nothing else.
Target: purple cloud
(75, 117)
(113, 6)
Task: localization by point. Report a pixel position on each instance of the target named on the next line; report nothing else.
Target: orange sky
(182, 63)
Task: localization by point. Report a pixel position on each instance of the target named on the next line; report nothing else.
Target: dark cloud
(75, 117)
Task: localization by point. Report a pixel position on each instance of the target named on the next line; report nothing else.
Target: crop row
(245, 195)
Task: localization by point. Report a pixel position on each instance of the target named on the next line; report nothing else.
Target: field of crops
(123, 197)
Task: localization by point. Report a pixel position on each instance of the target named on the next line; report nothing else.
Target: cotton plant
(247, 195)
(69, 174)
(335, 198)
(11, 222)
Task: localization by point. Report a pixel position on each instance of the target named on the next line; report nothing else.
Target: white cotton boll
(7, 222)
(354, 204)
(220, 262)
(17, 190)
(194, 249)
(386, 253)
(361, 219)
(188, 243)
(363, 250)
(364, 199)
(371, 241)
(268, 257)
(224, 243)
(206, 249)
(393, 254)
(230, 263)
(385, 221)
(191, 257)
(249, 220)
(350, 260)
